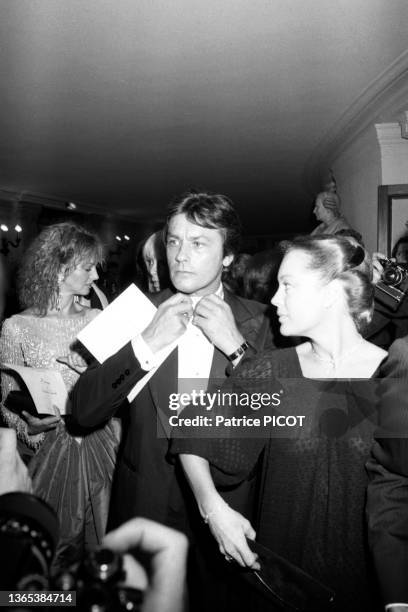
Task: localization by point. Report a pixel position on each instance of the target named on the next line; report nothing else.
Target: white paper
(47, 388)
(122, 320)
(128, 315)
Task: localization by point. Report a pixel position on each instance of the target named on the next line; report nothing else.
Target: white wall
(378, 156)
(358, 173)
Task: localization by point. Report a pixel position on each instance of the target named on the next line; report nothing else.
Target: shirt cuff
(143, 353)
(390, 607)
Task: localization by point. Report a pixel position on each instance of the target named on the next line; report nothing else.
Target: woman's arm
(11, 352)
(229, 528)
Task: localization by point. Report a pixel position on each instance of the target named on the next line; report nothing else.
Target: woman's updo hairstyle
(341, 258)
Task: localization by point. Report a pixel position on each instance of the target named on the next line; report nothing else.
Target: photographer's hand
(167, 548)
(377, 266)
(13, 473)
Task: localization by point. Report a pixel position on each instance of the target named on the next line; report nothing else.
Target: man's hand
(169, 322)
(377, 266)
(215, 319)
(167, 549)
(13, 473)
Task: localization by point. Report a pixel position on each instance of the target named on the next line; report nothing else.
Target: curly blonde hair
(57, 247)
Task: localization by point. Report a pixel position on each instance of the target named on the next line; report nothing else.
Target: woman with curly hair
(70, 470)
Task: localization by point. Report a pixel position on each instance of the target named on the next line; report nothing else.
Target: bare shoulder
(373, 355)
(374, 350)
(90, 313)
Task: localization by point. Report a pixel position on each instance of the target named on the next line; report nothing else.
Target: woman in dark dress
(311, 505)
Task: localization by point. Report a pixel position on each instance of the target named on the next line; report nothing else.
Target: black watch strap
(240, 351)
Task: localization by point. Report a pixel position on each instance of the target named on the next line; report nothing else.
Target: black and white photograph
(203, 305)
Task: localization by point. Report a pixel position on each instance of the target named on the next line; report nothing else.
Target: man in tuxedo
(387, 498)
(213, 328)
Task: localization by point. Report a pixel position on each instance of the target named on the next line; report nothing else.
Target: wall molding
(389, 134)
(386, 94)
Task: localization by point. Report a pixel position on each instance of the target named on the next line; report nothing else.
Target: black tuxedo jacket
(147, 483)
(387, 499)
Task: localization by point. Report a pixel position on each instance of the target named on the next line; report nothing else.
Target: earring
(58, 300)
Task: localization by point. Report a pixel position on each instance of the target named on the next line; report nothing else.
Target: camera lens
(393, 275)
(28, 537)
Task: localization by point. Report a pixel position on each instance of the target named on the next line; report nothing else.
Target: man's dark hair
(210, 210)
(402, 240)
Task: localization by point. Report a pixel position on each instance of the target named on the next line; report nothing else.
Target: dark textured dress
(311, 505)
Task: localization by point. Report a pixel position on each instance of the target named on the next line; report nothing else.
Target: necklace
(332, 363)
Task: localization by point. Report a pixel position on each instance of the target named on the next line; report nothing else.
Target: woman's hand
(73, 361)
(37, 426)
(230, 529)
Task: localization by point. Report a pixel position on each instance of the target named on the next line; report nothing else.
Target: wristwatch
(240, 351)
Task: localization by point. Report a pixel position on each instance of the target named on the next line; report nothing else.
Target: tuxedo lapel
(218, 366)
(247, 323)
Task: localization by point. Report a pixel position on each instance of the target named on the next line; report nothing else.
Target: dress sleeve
(11, 352)
(233, 448)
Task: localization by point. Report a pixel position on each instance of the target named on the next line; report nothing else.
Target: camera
(393, 286)
(28, 538)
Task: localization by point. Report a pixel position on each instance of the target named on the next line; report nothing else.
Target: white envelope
(128, 315)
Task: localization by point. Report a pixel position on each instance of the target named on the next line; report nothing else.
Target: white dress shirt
(195, 354)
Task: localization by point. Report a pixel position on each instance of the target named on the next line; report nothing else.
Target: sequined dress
(71, 470)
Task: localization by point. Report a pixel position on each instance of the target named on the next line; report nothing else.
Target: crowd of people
(272, 437)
